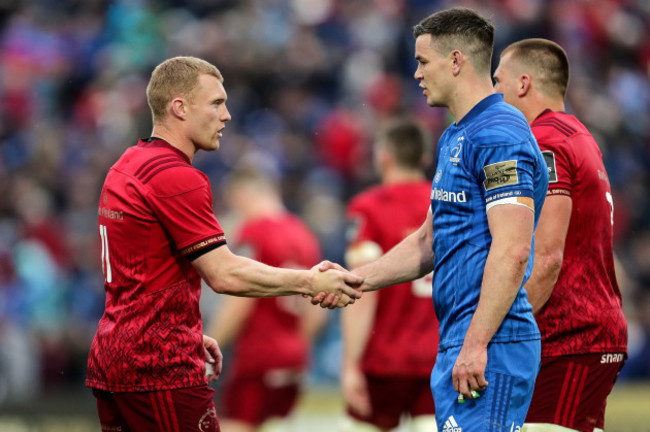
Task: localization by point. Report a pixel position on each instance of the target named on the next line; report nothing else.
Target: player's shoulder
(162, 170)
(498, 123)
(557, 125)
(367, 197)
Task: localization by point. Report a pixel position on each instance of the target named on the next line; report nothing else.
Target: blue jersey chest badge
(455, 152)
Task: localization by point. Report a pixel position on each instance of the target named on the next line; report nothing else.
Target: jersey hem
(503, 339)
(137, 388)
(600, 350)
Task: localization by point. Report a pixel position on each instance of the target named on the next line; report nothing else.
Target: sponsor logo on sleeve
(500, 174)
(549, 158)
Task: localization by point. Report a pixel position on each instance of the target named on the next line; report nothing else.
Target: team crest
(208, 420)
(455, 152)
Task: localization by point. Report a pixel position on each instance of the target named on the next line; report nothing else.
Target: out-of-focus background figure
(390, 340)
(269, 337)
(309, 81)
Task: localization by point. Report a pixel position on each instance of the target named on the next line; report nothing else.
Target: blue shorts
(511, 371)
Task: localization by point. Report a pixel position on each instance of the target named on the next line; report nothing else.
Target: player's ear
(457, 61)
(523, 85)
(178, 108)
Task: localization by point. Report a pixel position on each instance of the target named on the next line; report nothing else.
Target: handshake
(333, 286)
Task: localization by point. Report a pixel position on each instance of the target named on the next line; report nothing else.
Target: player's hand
(355, 391)
(334, 287)
(323, 298)
(213, 358)
(469, 371)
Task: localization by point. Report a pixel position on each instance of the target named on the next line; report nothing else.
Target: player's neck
(468, 95)
(174, 139)
(263, 207)
(542, 104)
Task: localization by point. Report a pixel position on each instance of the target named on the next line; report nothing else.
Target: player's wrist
(310, 287)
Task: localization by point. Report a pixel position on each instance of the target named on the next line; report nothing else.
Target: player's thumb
(353, 280)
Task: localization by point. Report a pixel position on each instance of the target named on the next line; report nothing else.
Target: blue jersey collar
(480, 107)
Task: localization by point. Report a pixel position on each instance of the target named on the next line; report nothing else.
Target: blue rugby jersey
(491, 154)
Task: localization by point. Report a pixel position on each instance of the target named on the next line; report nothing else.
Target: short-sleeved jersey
(271, 337)
(490, 155)
(584, 313)
(155, 215)
(404, 336)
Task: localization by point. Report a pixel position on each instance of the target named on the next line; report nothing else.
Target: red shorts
(255, 399)
(392, 396)
(571, 391)
(178, 410)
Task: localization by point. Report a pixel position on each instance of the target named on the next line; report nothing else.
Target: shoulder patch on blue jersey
(500, 174)
(549, 158)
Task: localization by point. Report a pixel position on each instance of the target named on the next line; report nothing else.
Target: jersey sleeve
(559, 160)
(504, 170)
(189, 220)
(360, 226)
(247, 241)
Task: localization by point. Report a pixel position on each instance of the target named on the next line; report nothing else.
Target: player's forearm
(550, 238)
(504, 272)
(249, 278)
(410, 259)
(231, 274)
(539, 286)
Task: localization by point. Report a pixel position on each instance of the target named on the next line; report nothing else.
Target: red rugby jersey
(404, 337)
(271, 337)
(155, 214)
(584, 313)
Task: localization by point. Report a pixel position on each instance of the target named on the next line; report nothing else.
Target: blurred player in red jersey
(271, 336)
(159, 238)
(573, 288)
(391, 338)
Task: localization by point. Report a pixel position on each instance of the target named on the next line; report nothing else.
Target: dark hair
(405, 140)
(462, 29)
(549, 62)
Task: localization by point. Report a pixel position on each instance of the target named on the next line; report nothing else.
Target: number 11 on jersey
(106, 262)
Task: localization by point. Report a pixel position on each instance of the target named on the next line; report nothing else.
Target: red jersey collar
(543, 113)
(159, 142)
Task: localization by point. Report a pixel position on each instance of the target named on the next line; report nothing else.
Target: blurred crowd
(308, 82)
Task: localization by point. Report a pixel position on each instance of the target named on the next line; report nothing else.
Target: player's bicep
(511, 225)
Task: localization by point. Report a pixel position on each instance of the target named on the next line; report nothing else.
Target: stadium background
(309, 81)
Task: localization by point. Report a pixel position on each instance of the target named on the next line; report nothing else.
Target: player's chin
(213, 145)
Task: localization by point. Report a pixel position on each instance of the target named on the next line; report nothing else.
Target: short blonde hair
(177, 76)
